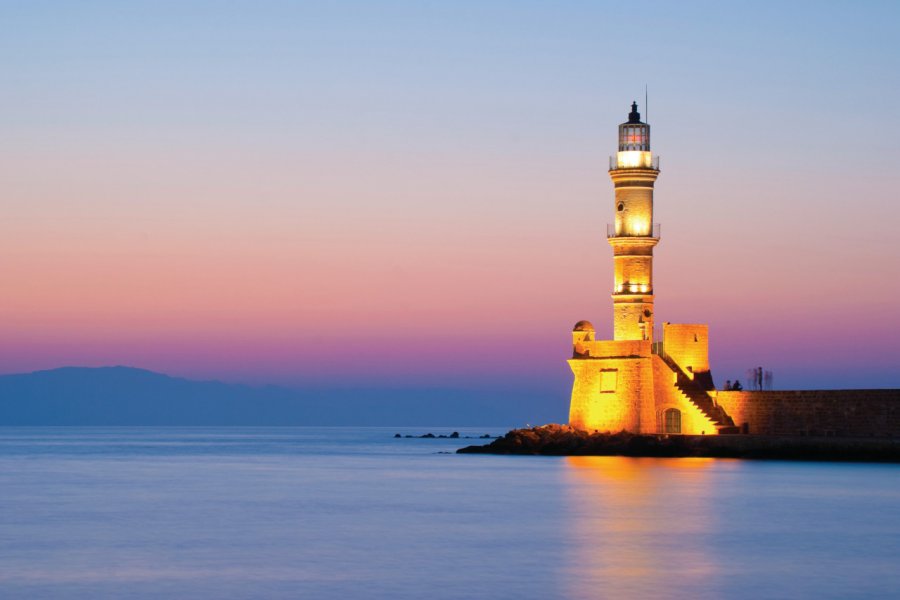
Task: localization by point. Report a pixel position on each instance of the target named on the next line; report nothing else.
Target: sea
(314, 512)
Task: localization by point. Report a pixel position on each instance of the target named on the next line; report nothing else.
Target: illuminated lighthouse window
(635, 138)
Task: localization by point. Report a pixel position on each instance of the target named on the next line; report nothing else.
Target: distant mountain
(129, 396)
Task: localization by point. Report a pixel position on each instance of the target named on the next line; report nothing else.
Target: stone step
(697, 395)
(702, 401)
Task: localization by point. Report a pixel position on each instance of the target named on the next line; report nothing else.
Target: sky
(387, 195)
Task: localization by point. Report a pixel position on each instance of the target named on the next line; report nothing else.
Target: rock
(563, 440)
(454, 435)
(396, 435)
(427, 435)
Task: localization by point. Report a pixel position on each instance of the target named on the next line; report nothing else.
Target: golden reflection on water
(639, 527)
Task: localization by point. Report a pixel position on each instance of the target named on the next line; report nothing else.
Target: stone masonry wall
(841, 413)
(607, 393)
(688, 345)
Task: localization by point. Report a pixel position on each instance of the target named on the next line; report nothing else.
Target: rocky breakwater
(563, 440)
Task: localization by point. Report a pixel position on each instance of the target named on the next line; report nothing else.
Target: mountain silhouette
(131, 396)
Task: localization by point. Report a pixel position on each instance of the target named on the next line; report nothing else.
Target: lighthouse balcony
(622, 231)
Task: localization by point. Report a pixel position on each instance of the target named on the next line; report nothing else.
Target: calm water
(354, 513)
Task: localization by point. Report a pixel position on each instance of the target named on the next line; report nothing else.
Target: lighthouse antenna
(646, 109)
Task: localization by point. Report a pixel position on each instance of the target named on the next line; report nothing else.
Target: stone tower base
(636, 386)
(639, 387)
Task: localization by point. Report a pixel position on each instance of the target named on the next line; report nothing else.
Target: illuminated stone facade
(633, 383)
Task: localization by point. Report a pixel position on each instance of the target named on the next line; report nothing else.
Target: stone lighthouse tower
(630, 383)
(614, 380)
(633, 235)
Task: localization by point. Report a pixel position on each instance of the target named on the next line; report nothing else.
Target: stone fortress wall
(631, 385)
(838, 413)
(828, 413)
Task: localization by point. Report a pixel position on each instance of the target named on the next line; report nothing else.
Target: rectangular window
(608, 380)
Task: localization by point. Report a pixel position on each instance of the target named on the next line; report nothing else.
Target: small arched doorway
(672, 418)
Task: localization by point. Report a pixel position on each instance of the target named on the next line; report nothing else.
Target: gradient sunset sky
(403, 194)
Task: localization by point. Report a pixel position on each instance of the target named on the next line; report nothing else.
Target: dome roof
(583, 326)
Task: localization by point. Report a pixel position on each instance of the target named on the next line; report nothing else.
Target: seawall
(822, 413)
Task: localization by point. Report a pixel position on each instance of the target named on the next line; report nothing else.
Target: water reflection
(641, 527)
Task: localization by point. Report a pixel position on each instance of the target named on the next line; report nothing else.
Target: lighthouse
(633, 234)
(637, 384)
(632, 382)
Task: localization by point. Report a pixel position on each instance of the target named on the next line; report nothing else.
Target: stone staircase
(696, 394)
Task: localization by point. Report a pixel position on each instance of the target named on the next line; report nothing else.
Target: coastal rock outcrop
(564, 440)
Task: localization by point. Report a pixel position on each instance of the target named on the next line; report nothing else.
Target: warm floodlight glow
(644, 288)
(634, 159)
(639, 225)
